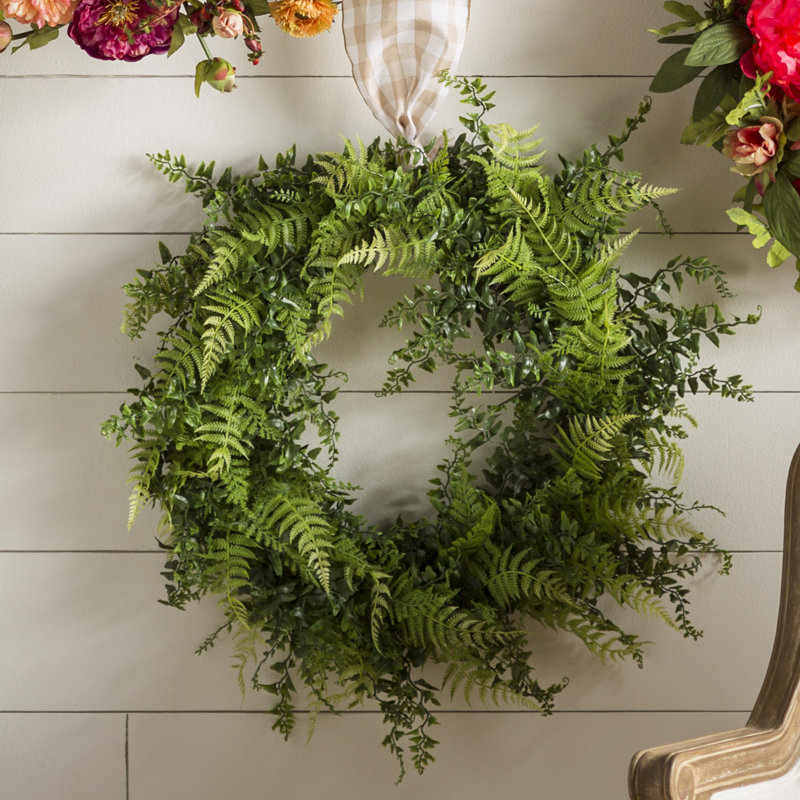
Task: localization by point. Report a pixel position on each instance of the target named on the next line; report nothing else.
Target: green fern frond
(227, 253)
(247, 642)
(147, 455)
(514, 163)
(293, 316)
(599, 346)
(301, 523)
(273, 226)
(603, 638)
(630, 591)
(381, 612)
(612, 250)
(589, 291)
(394, 253)
(225, 312)
(472, 514)
(472, 677)
(600, 194)
(429, 619)
(516, 149)
(665, 524)
(588, 443)
(181, 357)
(509, 263)
(226, 432)
(514, 575)
(338, 281)
(551, 242)
(510, 576)
(537, 251)
(231, 556)
(347, 173)
(235, 481)
(665, 457)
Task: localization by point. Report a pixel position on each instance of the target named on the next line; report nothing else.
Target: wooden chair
(769, 744)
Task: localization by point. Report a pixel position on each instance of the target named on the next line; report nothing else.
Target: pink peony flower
(39, 12)
(775, 24)
(228, 24)
(125, 30)
(5, 35)
(753, 148)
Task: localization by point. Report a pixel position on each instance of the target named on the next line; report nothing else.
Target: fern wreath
(578, 370)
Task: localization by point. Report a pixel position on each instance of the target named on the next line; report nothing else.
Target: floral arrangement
(129, 30)
(747, 105)
(558, 503)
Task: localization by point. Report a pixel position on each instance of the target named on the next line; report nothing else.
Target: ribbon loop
(398, 48)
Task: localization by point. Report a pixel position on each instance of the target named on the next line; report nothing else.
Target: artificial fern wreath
(578, 369)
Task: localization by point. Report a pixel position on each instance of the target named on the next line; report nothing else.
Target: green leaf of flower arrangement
(675, 73)
(782, 210)
(719, 44)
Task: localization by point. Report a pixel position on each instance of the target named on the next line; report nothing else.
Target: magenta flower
(775, 24)
(122, 30)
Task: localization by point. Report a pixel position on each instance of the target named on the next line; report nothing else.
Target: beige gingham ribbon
(398, 48)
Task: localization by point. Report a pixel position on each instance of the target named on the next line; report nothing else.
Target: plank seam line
(371, 712)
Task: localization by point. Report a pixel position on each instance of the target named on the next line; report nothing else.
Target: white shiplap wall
(101, 697)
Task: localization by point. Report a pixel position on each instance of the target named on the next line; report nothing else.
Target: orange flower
(303, 18)
(39, 12)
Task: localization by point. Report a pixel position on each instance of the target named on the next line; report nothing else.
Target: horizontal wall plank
(62, 303)
(97, 638)
(738, 459)
(380, 438)
(103, 183)
(360, 347)
(68, 756)
(118, 649)
(61, 306)
(529, 37)
(66, 488)
(480, 755)
(765, 354)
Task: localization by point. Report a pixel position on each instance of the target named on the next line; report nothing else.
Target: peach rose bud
(753, 147)
(5, 35)
(217, 73)
(228, 24)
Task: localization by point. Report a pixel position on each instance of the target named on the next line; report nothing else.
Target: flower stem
(205, 47)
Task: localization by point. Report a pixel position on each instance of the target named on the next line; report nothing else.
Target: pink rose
(228, 24)
(753, 148)
(5, 35)
(775, 24)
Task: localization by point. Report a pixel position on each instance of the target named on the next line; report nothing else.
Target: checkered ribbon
(398, 48)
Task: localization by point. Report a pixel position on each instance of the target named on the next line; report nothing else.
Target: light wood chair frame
(769, 744)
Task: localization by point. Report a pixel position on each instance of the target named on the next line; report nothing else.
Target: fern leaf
(430, 620)
(392, 252)
(300, 522)
(588, 443)
(182, 358)
(225, 312)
